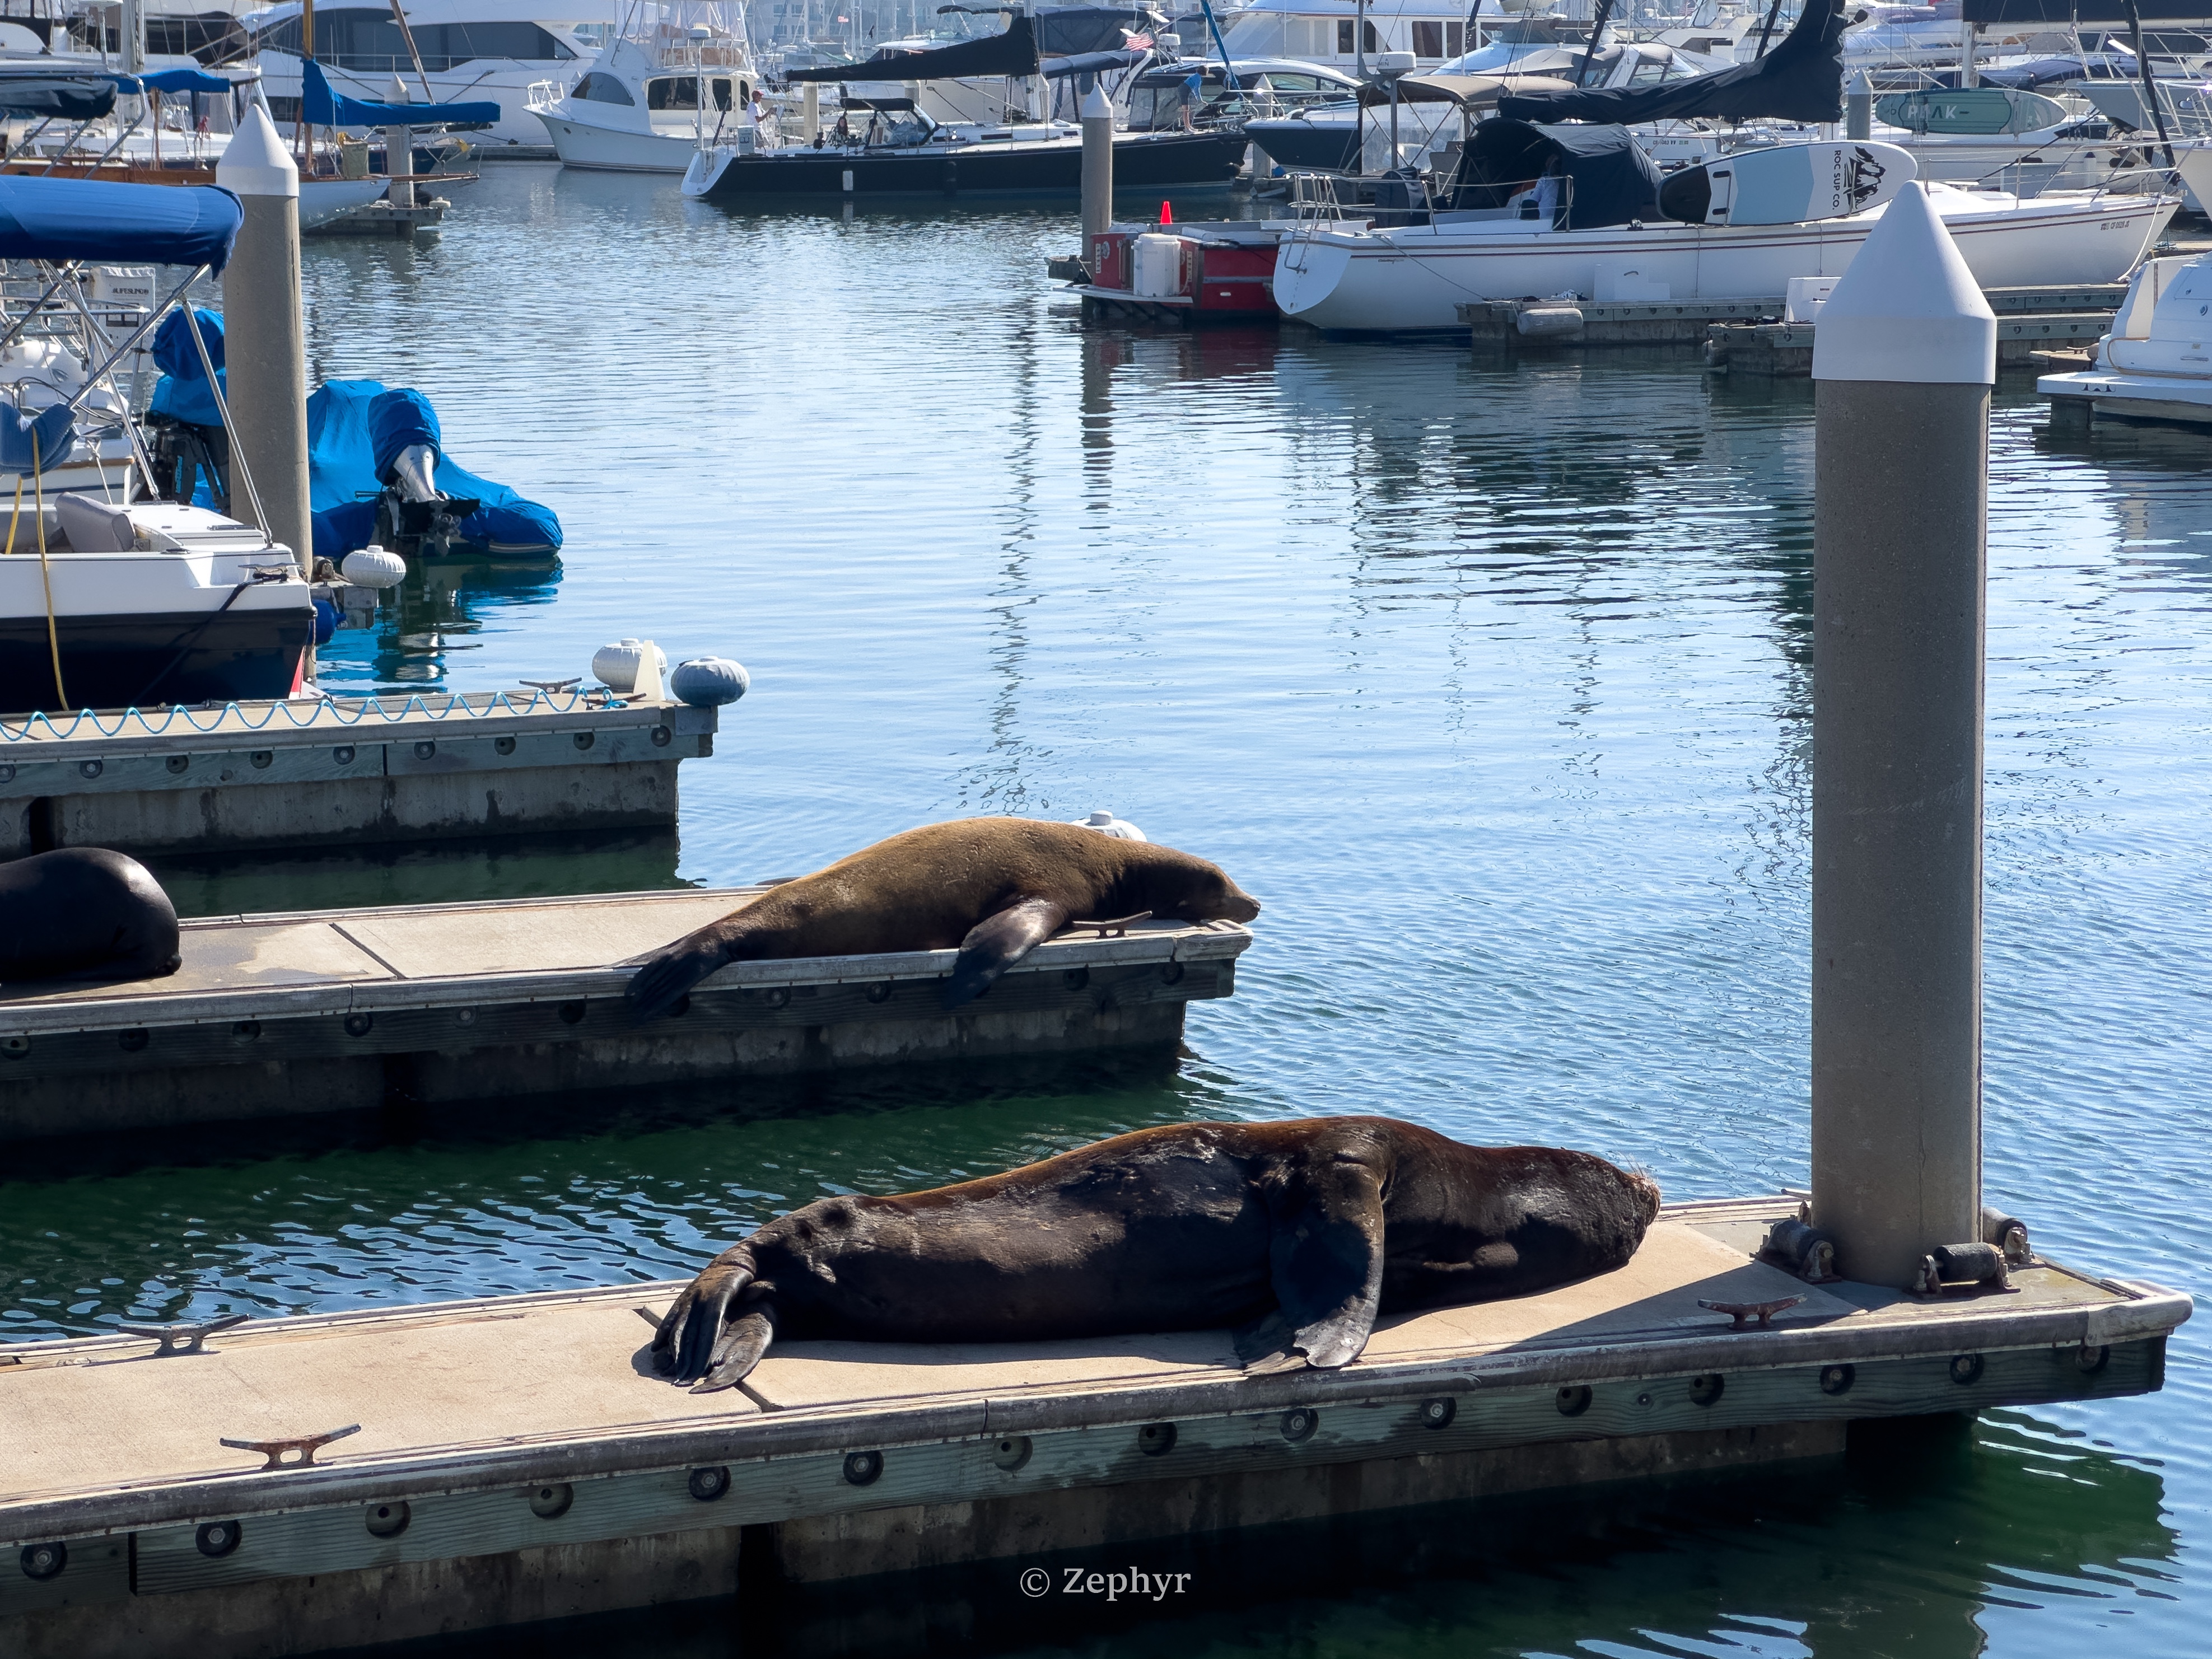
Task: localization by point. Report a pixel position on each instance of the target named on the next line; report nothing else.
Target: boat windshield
(898, 129)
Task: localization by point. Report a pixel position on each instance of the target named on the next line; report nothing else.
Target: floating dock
(343, 771)
(512, 1460)
(291, 1015)
(1753, 337)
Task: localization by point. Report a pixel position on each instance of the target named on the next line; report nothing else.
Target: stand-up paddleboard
(1787, 185)
(1972, 111)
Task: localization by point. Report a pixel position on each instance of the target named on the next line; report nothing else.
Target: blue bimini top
(90, 219)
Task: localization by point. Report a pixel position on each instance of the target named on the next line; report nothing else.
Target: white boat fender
(373, 567)
(618, 666)
(710, 682)
(1549, 322)
(1107, 824)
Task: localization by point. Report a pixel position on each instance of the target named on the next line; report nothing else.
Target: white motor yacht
(1413, 278)
(637, 109)
(2157, 361)
(471, 50)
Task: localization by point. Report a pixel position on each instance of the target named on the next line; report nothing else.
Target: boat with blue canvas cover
(378, 474)
(108, 599)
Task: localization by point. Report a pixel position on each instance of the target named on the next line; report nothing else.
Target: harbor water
(1490, 679)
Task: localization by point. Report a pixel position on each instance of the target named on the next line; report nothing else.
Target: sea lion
(84, 913)
(997, 888)
(1299, 1233)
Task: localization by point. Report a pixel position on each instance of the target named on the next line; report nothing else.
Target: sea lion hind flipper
(742, 1341)
(684, 1347)
(1326, 1262)
(997, 942)
(1263, 1347)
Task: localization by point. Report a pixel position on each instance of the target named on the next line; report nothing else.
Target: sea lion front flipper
(1326, 1260)
(653, 988)
(997, 942)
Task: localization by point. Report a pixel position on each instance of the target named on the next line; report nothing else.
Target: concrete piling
(1858, 108)
(265, 337)
(1097, 167)
(1902, 367)
(399, 150)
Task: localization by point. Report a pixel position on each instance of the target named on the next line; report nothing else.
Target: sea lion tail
(653, 990)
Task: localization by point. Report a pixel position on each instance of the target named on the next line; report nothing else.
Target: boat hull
(115, 661)
(592, 147)
(1413, 280)
(137, 628)
(1175, 160)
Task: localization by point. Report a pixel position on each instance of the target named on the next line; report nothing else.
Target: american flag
(1140, 43)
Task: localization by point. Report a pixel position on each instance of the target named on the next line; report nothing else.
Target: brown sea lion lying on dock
(996, 888)
(1301, 1233)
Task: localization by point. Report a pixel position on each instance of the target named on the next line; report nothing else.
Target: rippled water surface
(1491, 681)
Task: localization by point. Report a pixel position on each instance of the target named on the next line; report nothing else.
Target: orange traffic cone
(1167, 216)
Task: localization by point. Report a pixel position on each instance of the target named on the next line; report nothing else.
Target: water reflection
(426, 627)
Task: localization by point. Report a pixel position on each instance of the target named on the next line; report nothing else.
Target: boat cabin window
(1344, 46)
(358, 39)
(597, 88)
(682, 92)
(1649, 71)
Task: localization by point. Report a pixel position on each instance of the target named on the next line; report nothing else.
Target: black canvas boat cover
(1801, 80)
(40, 96)
(1014, 53)
(1613, 180)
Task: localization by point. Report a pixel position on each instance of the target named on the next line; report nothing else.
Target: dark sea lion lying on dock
(996, 888)
(84, 913)
(1299, 1233)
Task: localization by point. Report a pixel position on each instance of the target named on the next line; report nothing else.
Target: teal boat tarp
(343, 481)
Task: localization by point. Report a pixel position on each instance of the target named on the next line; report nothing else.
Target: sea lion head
(1187, 889)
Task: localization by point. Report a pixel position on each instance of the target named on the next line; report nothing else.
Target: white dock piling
(264, 339)
(399, 150)
(1903, 364)
(1097, 168)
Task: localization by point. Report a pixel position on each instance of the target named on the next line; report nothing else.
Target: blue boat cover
(40, 96)
(58, 219)
(172, 80)
(35, 442)
(182, 391)
(325, 108)
(398, 420)
(349, 424)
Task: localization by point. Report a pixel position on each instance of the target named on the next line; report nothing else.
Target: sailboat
(885, 145)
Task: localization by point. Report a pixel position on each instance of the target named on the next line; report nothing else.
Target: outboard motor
(414, 517)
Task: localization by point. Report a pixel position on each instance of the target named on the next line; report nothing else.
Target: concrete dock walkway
(344, 771)
(287, 1015)
(515, 1458)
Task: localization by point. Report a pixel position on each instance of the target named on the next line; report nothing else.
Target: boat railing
(544, 95)
(1313, 196)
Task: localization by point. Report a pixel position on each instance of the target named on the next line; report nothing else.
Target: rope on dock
(475, 705)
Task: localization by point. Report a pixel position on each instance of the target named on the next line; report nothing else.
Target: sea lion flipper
(997, 942)
(1326, 1262)
(653, 988)
(684, 1347)
(744, 1341)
